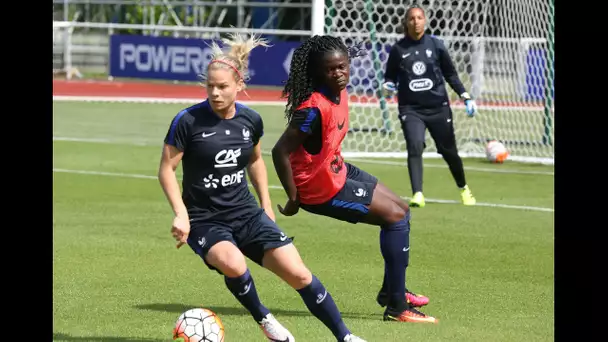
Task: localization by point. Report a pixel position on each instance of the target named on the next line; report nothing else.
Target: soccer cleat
(410, 315)
(417, 200)
(352, 338)
(416, 300)
(467, 196)
(274, 331)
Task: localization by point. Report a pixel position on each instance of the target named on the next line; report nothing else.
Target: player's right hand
(389, 89)
(180, 230)
(291, 208)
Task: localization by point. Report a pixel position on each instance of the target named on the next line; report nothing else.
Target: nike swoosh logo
(208, 134)
(406, 249)
(340, 126)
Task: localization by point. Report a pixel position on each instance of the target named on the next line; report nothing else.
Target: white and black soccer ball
(496, 152)
(198, 325)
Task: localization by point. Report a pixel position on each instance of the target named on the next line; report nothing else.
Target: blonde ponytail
(235, 54)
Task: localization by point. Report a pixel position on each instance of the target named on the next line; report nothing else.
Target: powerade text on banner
(182, 59)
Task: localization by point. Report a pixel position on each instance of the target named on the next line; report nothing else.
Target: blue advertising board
(536, 75)
(182, 59)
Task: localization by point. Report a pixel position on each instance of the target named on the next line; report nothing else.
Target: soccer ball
(496, 152)
(198, 325)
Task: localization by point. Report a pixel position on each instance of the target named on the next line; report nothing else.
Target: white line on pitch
(278, 102)
(265, 152)
(106, 141)
(467, 168)
(276, 187)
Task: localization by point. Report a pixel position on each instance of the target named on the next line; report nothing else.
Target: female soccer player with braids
(216, 214)
(308, 161)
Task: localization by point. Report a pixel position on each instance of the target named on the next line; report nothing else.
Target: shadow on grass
(240, 311)
(66, 337)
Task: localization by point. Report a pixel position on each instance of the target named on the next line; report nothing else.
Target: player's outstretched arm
(258, 174)
(451, 76)
(389, 87)
(169, 161)
(447, 68)
(289, 141)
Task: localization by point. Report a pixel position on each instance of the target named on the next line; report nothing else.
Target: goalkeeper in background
(415, 70)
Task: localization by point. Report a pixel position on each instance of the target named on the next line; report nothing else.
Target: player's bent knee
(415, 148)
(286, 262)
(299, 278)
(227, 258)
(396, 214)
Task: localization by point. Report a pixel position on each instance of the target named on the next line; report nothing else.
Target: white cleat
(353, 338)
(274, 331)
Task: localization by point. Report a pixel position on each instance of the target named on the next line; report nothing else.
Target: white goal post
(62, 43)
(502, 49)
(62, 50)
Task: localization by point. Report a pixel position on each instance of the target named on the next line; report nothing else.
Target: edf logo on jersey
(223, 159)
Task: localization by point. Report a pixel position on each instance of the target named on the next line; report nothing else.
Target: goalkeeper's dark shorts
(439, 122)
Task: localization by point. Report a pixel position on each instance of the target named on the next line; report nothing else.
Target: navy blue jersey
(419, 67)
(216, 153)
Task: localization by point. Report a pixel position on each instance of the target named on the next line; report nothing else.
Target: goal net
(502, 50)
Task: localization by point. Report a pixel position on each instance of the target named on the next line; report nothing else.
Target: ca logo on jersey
(419, 68)
(227, 158)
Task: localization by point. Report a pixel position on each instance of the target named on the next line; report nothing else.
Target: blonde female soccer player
(216, 214)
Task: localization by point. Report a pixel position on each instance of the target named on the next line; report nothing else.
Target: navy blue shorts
(351, 203)
(253, 235)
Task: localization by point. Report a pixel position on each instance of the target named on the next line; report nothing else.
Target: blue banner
(182, 59)
(536, 75)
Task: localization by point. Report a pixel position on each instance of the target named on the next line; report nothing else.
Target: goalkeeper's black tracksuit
(418, 69)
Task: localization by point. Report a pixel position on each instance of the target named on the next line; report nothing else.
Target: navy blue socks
(243, 288)
(321, 304)
(395, 245)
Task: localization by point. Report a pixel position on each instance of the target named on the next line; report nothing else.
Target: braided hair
(306, 62)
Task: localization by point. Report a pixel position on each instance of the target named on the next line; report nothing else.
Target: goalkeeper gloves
(389, 89)
(469, 103)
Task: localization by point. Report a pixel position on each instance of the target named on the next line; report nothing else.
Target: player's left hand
(471, 106)
(291, 208)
